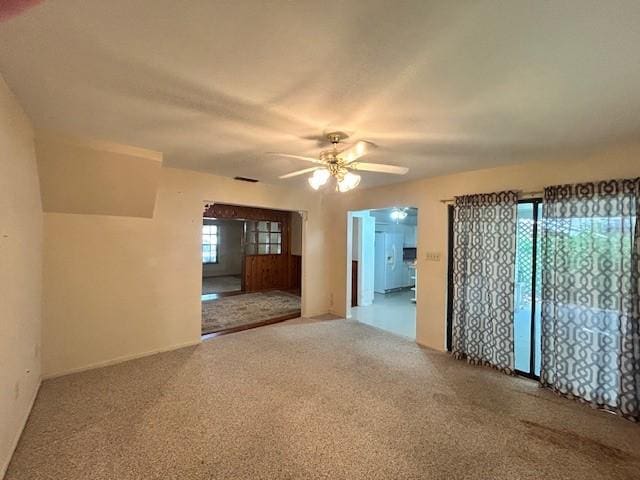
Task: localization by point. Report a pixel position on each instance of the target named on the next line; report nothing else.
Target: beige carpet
(330, 400)
(246, 309)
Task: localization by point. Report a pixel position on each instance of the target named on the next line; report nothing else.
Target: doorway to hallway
(382, 280)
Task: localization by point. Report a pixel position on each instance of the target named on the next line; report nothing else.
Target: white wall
(366, 266)
(408, 231)
(230, 252)
(361, 248)
(20, 273)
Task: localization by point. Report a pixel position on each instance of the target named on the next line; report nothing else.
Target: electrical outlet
(433, 256)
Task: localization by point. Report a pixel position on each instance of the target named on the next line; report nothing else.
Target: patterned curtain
(484, 275)
(590, 294)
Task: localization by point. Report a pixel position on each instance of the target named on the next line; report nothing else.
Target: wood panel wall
(295, 272)
(264, 272)
(354, 283)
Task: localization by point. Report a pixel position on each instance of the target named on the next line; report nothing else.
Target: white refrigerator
(390, 271)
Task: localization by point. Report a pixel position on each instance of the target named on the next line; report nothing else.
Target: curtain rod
(522, 195)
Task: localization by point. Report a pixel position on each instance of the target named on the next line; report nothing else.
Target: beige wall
(20, 273)
(93, 177)
(230, 252)
(121, 287)
(620, 162)
(296, 233)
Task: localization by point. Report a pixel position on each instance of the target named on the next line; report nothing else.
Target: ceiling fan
(340, 164)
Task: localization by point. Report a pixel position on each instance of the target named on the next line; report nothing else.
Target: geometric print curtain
(590, 294)
(483, 279)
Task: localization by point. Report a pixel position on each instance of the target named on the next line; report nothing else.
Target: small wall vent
(245, 179)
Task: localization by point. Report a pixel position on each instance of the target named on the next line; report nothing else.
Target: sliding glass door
(528, 289)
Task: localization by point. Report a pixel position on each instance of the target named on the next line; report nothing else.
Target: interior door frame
(243, 249)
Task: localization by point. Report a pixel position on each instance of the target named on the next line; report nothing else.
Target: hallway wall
(20, 273)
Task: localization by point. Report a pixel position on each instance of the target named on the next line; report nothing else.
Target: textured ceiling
(438, 86)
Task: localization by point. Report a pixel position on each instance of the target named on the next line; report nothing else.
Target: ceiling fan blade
(299, 157)
(378, 167)
(299, 172)
(356, 151)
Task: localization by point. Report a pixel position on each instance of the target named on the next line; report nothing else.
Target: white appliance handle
(393, 263)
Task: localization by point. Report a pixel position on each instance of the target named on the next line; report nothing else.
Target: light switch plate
(433, 256)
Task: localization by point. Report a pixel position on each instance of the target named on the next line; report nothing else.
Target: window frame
(217, 243)
(252, 235)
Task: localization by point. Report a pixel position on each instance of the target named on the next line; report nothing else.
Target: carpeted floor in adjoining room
(221, 284)
(246, 309)
(314, 400)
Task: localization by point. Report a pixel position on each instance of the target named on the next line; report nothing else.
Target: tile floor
(393, 312)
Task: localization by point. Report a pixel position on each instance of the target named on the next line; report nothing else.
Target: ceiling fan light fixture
(314, 183)
(322, 175)
(340, 164)
(348, 182)
(398, 214)
(319, 178)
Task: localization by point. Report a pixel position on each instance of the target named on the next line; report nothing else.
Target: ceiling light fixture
(319, 178)
(398, 214)
(348, 182)
(340, 164)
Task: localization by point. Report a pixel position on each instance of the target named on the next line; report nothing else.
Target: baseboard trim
(125, 358)
(5, 466)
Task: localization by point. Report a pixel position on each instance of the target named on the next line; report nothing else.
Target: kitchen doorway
(382, 273)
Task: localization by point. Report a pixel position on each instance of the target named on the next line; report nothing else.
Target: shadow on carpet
(247, 309)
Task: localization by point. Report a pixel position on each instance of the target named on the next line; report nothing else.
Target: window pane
(263, 226)
(275, 226)
(251, 249)
(263, 237)
(275, 238)
(263, 249)
(213, 239)
(276, 249)
(525, 297)
(524, 282)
